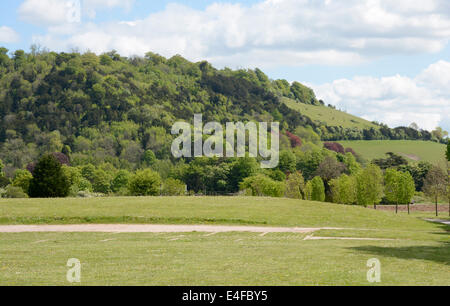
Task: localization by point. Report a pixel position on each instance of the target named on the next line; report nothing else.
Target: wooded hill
(113, 108)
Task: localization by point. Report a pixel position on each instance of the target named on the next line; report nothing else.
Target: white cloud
(8, 35)
(271, 32)
(60, 12)
(395, 100)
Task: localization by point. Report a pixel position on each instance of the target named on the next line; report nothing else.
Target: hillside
(328, 116)
(115, 109)
(413, 151)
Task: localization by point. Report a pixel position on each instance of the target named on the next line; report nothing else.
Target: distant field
(413, 252)
(412, 150)
(329, 116)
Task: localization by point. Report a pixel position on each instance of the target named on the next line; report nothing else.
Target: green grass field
(329, 116)
(418, 255)
(412, 150)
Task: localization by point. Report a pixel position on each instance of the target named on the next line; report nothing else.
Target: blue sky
(382, 60)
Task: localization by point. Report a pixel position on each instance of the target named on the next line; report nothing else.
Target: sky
(383, 60)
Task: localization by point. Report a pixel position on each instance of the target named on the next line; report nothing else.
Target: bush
(49, 180)
(317, 189)
(14, 192)
(343, 189)
(261, 185)
(22, 179)
(174, 187)
(295, 186)
(145, 183)
(4, 182)
(120, 181)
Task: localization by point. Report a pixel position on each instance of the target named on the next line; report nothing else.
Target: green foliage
(295, 186)
(399, 187)
(145, 183)
(102, 182)
(317, 190)
(418, 172)
(447, 153)
(344, 190)
(435, 184)
(1, 168)
(261, 185)
(393, 161)
(22, 179)
(49, 180)
(287, 162)
(369, 184)
(120, 181)
(149, 158)
(353, 167)
(14, 192)
(173, 187)
(275, 174)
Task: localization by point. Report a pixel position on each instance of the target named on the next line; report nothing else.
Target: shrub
(261, 185)
(4, 182)
(120, 181)
(145, 183)
(318, 189)
(49, 180)
(295, 186)
(14, 192)
(101, 182)
(173, 187)
(22, 179)
(343, 189)
(334, 146)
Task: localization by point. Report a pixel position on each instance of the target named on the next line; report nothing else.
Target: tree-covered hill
(112, 108)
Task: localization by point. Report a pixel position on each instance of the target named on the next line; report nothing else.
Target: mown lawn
(222, 259)
(418, 254)
(201, 210)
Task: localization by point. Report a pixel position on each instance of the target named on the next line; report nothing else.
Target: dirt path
(152, 228)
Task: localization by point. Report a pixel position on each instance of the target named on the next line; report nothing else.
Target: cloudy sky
(379, 59)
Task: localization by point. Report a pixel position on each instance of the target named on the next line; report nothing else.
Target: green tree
(295, 186)
(49, 180)
(22, 179)
(343, 190)
(149, 158)
(173, 187)
(102, 182)
(145, 183)
(399, 187)
(369, 186)
(120, 181)
(353, 167)
(435, 185)
(287, 162)
(318, 189)
(261, 185)
(1, 168)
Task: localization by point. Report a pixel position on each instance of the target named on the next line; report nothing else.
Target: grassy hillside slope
(413, 151)
(329, 116)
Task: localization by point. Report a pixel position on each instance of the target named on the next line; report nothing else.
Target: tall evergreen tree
(49, 180)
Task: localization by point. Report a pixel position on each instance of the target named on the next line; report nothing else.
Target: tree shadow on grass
(439, 254)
